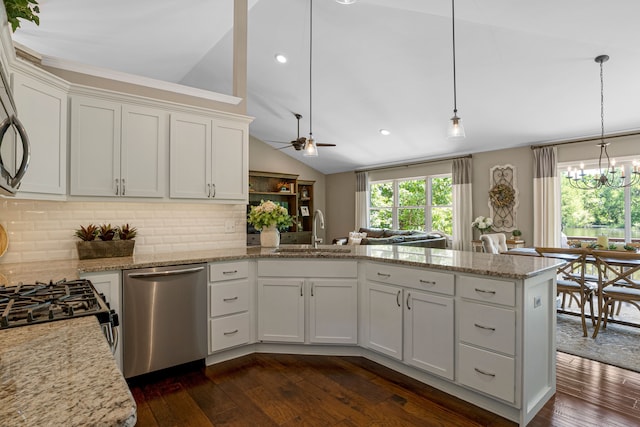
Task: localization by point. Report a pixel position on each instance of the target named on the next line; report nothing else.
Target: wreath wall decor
(503, 197)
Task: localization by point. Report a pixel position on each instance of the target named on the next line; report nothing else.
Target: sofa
(385, 236)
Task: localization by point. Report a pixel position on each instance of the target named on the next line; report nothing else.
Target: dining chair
(494, 243)
(617, 282)
(572, 280)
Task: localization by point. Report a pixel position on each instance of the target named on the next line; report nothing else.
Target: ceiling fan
(300, 142)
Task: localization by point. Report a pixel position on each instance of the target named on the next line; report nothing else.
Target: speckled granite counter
(61, 374)
(506, 266)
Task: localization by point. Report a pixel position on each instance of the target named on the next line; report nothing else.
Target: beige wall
(341, 187)
(265, 158)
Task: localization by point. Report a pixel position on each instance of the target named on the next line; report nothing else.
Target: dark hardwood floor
(288, 390)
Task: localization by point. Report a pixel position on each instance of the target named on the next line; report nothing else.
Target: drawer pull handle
(480, 371)
(484, 291)
(384, 274)
(488, 328)
(229, 272)
(428, 282)
(231, 333)
(229, 299)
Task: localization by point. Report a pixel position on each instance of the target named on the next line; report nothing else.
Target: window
(611, 212)
(423, 203)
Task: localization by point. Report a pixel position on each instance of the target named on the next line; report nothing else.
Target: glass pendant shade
(310, 148)
(456, 130)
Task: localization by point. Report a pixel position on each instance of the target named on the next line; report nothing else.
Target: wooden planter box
(105, 249)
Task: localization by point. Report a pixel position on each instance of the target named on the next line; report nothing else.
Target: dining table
(614, 268)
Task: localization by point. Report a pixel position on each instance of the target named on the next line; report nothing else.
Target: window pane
(380, 218)
(411, 219)
(441, 194)
(381, 194)
(635, 211)
(411, 193)
(591, 213)
(442, 220)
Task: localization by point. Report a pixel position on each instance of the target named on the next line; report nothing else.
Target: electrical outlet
(537, 302)
(229, 226)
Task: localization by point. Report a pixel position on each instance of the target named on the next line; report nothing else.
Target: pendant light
(609, 175)
(310, 148)
(456, 130)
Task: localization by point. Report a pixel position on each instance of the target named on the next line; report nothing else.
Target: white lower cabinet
(321, 308)
(407, 323)
(487, 336)
(110, 285)
(230, 298)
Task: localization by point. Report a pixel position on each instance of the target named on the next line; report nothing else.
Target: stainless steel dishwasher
(164, 317)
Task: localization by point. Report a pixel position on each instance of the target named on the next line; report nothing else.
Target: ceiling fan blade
(278, 142)
(323, 144)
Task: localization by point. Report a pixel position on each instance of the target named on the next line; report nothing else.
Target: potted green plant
(516, 234)
(105, 241)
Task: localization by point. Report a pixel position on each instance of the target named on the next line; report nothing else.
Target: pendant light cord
(453, 31)
(310, 66)
(601, 104)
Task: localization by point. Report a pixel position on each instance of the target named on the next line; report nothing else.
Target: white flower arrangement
(268, 214)
(483, 224)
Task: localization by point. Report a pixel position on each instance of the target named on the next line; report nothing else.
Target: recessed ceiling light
(281, 58)
(385, 132)
(346, 1)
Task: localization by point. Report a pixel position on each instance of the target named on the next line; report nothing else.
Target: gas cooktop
(26, 304)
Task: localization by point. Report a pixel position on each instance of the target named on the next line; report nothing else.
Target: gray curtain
(546, 197)
(362, 209)
(462, 190)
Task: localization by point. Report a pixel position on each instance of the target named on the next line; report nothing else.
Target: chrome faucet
(317, 214)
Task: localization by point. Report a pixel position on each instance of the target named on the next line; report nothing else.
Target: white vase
(270, 237)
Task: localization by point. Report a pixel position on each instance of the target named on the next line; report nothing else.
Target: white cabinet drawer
(227, 298)
(487, 372)
(490, 327)
(427, 280)
(228, 331)
(487, 290)
(307, 268)
(220, 271)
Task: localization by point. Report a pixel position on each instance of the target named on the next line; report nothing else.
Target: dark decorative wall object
(503, 197)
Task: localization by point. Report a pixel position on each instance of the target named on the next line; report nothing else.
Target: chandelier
(608, 175)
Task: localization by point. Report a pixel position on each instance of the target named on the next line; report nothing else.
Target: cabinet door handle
(480, 371)
(214, 190)
(123, 188)
(301, 285)
(229, 299)
(312, 289)
(408, 298)
(484, 291)
(208, 190)
(398, 299)
(384, 274)
(428, 282)
(488, 328)
(229, 272)
(231, 332)
(117, 186)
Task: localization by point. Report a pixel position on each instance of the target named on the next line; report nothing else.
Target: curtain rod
(405, 165)
(594, 138)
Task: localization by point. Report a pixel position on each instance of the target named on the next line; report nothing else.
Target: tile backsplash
(44, 230)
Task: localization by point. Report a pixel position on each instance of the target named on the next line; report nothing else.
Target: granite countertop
(505, 266)
(61, 373)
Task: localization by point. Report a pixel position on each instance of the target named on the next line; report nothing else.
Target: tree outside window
(423, 203)
(611, 212)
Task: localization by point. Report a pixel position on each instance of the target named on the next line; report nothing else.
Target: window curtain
(462, 203)
(362, 190)
(546, 198)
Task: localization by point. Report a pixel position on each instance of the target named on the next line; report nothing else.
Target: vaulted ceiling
(525, 69)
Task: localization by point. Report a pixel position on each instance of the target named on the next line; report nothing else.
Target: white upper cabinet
(117, 150)
(41, 104)
(209, 158)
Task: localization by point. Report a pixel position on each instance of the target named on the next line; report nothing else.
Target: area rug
(617, 345)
